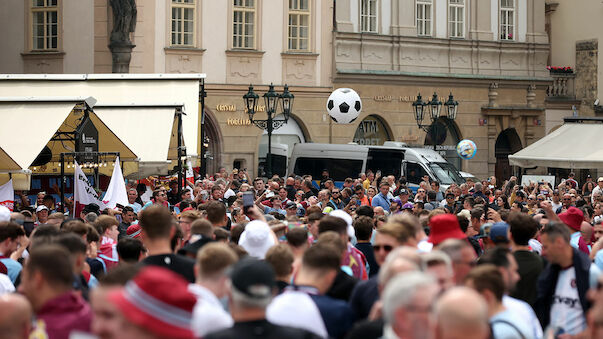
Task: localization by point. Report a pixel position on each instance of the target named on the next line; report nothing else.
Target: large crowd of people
(303, 257)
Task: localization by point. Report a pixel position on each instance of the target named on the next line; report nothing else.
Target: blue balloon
(466, 149)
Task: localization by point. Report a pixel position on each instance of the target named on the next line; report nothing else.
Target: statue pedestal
(121, 52)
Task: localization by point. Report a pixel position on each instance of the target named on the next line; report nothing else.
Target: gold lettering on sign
(238, 122)
(257, 109)
(382, 98)
(226, 108)
(407, 98)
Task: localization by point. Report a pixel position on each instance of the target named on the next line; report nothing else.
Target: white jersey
(566, 310)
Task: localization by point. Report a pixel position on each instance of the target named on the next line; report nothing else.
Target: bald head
(15, 316)
(461, 313)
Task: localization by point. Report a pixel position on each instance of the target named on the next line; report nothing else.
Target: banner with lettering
(116, 192)
(83, 192)
(7, 195)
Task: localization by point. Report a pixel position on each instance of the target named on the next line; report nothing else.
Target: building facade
(490, 54)
(236, 43)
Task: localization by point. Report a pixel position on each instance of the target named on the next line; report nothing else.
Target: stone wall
(587, 53)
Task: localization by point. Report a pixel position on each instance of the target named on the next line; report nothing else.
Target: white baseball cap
(41, 208)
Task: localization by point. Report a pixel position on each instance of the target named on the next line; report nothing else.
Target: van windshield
(446, 173)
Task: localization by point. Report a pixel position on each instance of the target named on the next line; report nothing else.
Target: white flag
(116, 192)
(7, 195)
(190, 175)
(83, 192)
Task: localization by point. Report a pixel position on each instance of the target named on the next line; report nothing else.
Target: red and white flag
(116, 192)
(7, 195)
(83, 192)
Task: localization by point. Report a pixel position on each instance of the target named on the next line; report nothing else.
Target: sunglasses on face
(386, 248)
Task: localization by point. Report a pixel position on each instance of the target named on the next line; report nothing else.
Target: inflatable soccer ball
(466, 149)
(344, 105)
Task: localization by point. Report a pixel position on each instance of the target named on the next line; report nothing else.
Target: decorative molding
(43, 62)
(244, 66)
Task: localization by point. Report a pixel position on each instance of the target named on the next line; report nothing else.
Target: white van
(348, 160)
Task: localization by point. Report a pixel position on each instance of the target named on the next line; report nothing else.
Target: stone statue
(124, 23)
(124, 20)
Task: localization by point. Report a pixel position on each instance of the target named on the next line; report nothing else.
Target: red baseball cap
(444, 226)
(157, 300)
(573, 218)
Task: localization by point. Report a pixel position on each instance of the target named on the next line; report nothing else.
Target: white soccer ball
(344, 105)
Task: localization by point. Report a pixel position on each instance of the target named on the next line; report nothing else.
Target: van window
(446, 173)
(414, 173)
(388, 161)
(339, 169)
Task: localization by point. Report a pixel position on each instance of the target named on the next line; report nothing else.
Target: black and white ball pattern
(344, 105)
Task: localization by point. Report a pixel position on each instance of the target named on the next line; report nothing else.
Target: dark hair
(297, 237)
(221, 234)
(497, 256)
(53, 262)
(363, 227)
(315, 216)
(156, 222)
(281, 258)
(72, 243)
(119, 275)
(476, 213)
(470, 200)
(463, 222)
(487, 277)
(366, 211)
(216, 211)
(322, 257)
(92, 234)
(129, 249)
(11, 230)
(127, 209)
(420, 204)
(75, 226)
(555, 230)
(236, 231)
(329, 223)
(523, 228)
(431, 195)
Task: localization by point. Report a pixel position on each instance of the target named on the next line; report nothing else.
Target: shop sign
(87, 141)
(371, 131)
(238, 122)
(226, 108)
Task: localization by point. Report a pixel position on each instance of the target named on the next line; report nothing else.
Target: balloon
(466, 149)
(344, 105)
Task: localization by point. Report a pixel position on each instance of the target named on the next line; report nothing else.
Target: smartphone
(247, 201)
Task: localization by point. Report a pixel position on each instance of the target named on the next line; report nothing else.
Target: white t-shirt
(566, 311)
(208, 314)
(296, 309)
(525, 312)
(507, 325)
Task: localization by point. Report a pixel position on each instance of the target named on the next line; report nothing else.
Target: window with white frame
(299, 25)
(45, 25)
(368, 16)
(183, 23)
(507, 19)
(243, 24)
(424, 17)
(456, 18)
